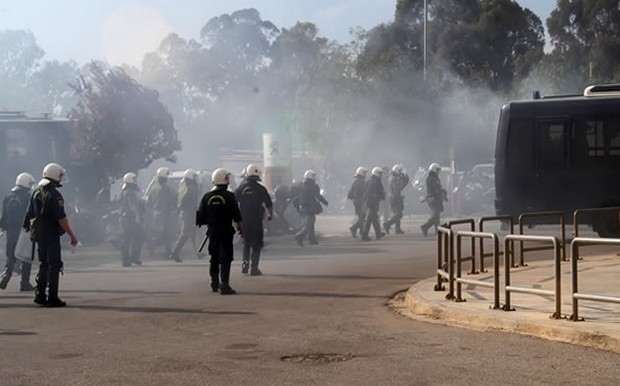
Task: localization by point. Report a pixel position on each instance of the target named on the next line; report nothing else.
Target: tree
(119, 126)
(586, 38)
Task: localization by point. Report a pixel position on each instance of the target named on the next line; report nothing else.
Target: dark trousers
(372, 218)
(221, 252)
(50, 265)
(253, 234)
(133, 239)
(397, 206)
(308, 228)
(433, 220)
(359, 217)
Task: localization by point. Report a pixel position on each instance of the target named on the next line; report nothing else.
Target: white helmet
(434, 167)
(310, 175)
(190, 174)
(130, 178)
(163, 172)
(398, 168)
(377, 171)
(220, 176)
(25, 180)
(252, 170)
(361, 171)
(55, 172)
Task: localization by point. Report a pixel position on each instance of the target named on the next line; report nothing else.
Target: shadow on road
(346, 277)
(316, 295)
(159, 310)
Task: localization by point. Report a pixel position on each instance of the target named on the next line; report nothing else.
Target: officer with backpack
(46, 221)
(14, 209)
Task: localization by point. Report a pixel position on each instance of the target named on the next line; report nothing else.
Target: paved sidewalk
(598, 275)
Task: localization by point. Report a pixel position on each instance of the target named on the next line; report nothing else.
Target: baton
(204, 242)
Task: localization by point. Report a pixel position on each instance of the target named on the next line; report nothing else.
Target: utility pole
(425, 35)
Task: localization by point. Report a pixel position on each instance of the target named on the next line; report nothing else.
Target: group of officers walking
(39, 210)
(367, 195)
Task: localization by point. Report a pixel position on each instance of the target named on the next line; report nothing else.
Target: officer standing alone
(47, 222)
(253, 199)
(132, 220)
(356, 194)
(14, 208)
(218, 210)
(435, 197)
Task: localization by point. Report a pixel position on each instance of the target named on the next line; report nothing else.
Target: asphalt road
(318, 316)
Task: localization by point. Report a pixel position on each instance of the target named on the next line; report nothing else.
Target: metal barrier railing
(557, 293)
(574, 274)
(481, 223)
(525, 216)
(578, 212)
(459, 280)
(445, 260)
(472, 228)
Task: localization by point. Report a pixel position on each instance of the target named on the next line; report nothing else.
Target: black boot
(214, 272)
(52, 299)
(245, 266)
(255, 259)
(225, 288)
(6, 276)
(39, 293)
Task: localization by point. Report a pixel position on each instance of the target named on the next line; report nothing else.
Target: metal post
(459, 297)
(507, 274)
(450, 294)
(440, 258)
(574, 257)
(495, 272)
(558, 281)
(425, 36)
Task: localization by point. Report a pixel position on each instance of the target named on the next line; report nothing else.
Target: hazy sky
(123, 30)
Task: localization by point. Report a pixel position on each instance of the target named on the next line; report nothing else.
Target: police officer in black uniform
(132, 220)
(217, 210)
(46, 220)
(374, 194)
(309, 201)
(397, 181)
(14, 209)
(253, 198)
(356, 194)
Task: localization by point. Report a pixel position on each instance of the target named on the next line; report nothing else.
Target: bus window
(519, 153)
(588, 142)
(613, 133)
(551, 144)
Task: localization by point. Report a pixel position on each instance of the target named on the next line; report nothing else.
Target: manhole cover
(317, 358)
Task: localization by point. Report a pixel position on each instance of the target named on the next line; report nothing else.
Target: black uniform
(253, 198)
(132, 225)
(396, 183)
(435, 196)
(217, 210)
(187, 200)
(47, 205)
(14, 208)
(374, 194)
(356, 194)
(310, 200)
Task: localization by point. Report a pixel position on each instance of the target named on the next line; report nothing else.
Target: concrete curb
(417, 306)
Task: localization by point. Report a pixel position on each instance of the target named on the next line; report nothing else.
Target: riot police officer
(356, 194)
(46, 221)
(218, 209)
(435, 196)
(397, 181)
(14, 208)
(309, 201)
(253, 198)
(186, 203)
(373, 194)
(162, 199)
(132, 220)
